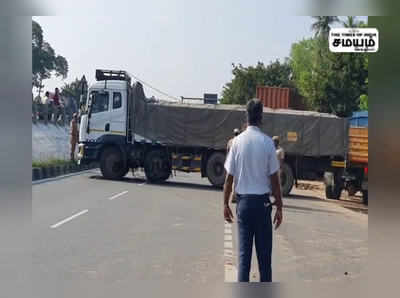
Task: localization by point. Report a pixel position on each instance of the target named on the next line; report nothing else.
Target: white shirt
(251, 161)
(45, 100)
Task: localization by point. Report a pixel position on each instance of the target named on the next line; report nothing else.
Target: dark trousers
(254, 221)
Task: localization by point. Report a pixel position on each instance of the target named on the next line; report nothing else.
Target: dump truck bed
(358, 145)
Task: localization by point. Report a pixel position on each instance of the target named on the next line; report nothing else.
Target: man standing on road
(253, 166)
(74, 135)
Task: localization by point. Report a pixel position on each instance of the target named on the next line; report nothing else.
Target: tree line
(329, 82)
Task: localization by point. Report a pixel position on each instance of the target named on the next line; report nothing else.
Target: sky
(183, 49)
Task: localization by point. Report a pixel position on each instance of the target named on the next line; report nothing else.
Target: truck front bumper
(88, 152)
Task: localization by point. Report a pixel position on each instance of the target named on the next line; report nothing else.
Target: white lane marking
(228, 253)
(228, 244)
(230, 268)
(228, 237)
(230, 273)
(68, 219)
(118, 195)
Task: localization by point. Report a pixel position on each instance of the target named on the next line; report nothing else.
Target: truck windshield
(99, 101)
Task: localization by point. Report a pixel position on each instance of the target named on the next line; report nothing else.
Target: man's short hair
(254, 111)
(47, 93)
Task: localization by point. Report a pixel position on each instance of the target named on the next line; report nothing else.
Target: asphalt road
(99, 238)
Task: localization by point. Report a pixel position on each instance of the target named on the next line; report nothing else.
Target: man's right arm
(274, 167)
(276, 190)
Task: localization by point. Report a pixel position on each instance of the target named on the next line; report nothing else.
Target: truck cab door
(118, 112)
(100, 116)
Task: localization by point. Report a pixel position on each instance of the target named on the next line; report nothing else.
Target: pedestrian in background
(74, 134)
(56, 104)
(280, 154)
(253, 167)
(45, 110)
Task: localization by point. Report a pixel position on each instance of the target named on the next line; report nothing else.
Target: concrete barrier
(45, 173)
(36, 174)
(50, 172)
(57, 171)
(39, 173)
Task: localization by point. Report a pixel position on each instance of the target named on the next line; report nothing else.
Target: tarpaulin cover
(201, 125)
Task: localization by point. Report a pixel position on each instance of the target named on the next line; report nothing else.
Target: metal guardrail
(48, 113)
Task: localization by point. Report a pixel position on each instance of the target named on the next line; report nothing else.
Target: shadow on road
(353, 205)
(309, 209)
(168, 183)
(303, 198)
(175, 184)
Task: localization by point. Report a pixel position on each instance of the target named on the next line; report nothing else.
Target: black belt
(253, 196)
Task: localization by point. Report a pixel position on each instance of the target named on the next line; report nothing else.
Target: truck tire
(112, 165)
(287, 179)
(333, 191)
(157, 166)
(365, 197)
(215, 169)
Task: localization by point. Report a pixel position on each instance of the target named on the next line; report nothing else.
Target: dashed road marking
(230, 269)
(228, 237)
(118, 195)
(69, 219)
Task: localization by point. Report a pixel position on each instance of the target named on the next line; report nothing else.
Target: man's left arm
(230, 170)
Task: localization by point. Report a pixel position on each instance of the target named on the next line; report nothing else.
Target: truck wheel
(287, 179)
(352, 190)
(157, 167)
(112, 165)
(365, 197)
(215, 169)
(333, 192)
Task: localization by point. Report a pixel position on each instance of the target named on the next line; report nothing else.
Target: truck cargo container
(280, 98)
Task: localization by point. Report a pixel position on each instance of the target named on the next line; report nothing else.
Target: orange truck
(350, 174)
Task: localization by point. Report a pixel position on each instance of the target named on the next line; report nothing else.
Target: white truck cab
(108, 107)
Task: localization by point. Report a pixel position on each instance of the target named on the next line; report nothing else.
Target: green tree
(363, 102)
(330, 82)
(322, 25)
(246, 79)
(302, 61)
(350, 22)
(72, 90)
(45, 62)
